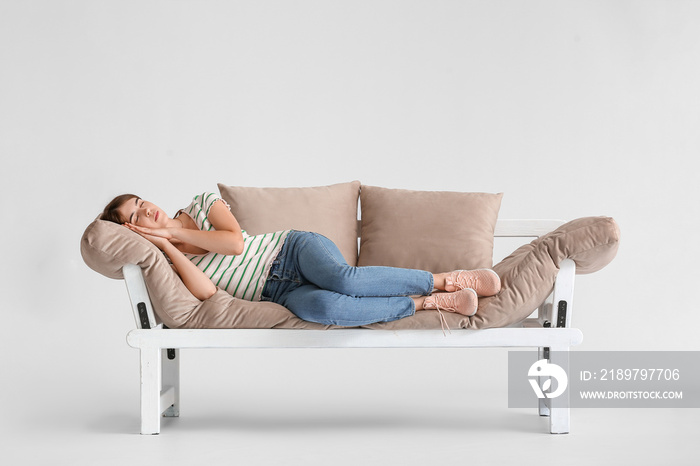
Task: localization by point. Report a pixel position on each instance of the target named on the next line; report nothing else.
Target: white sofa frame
(550, 332)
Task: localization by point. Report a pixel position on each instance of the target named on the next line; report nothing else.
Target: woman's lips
(156, 216)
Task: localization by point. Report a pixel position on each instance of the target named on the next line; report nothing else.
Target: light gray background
(571, 108)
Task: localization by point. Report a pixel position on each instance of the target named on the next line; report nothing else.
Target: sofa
(436, 231)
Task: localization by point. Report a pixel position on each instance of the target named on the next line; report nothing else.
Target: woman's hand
(161, 242)
(159, 232)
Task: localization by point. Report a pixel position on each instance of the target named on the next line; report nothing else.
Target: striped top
(242, 276)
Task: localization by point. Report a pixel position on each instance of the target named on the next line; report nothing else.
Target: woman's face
(143, 213)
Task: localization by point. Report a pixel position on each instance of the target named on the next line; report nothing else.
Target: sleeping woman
(303, 271)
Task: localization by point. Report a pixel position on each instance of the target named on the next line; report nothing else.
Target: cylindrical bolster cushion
(528, 275)
(106, 247)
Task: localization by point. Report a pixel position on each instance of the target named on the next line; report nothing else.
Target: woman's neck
(175, 223)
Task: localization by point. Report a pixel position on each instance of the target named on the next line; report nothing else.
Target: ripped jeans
(311, 278)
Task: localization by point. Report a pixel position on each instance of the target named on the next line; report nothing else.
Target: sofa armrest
(563, 295)
(138, 295)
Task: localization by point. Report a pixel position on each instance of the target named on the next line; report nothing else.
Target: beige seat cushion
(438, 231)
(527, 276)
(328, 210)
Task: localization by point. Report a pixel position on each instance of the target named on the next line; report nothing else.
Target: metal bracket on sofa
(138, 295)
(563, 295)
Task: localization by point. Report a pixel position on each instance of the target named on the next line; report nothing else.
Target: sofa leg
(559, 419)
(151, 371)
(171, 378)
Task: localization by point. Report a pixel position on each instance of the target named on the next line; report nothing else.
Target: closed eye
(142, 204)
(135, 218)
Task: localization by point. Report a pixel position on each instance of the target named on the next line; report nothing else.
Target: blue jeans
(311, 278)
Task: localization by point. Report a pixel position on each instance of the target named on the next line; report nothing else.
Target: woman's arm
(194, 279)
(226, 238)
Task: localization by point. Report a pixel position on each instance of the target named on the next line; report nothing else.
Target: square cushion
(328, 210)
(437, 231)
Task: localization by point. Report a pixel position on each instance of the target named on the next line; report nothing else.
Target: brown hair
(111, 213)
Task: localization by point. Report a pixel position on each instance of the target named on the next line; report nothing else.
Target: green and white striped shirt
(242, 276)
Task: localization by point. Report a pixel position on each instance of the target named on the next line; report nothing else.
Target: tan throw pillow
(328, 210)
(438, 231)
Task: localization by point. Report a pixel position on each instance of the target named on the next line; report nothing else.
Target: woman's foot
(462, 302)
(485, 282)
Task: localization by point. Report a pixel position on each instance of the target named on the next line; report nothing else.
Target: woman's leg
(320, 262)
(314, 304)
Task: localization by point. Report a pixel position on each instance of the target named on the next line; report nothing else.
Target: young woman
(303, 271)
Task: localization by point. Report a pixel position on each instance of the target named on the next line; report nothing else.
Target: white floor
(339, 408)
(431, 433)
